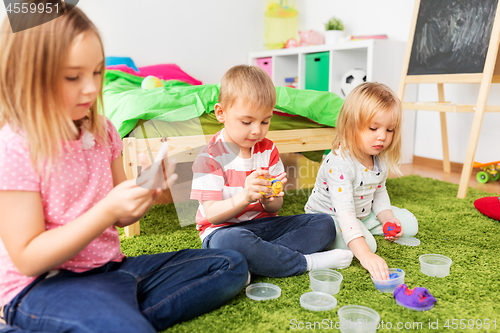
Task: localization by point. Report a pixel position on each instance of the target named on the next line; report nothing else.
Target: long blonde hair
(31, 74)
(365, 102)
(251, 84)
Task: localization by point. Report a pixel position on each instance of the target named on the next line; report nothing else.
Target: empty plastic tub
(357, 318)
(325, 280)
(435, 265)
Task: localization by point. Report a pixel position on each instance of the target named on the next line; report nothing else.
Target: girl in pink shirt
(63, 192)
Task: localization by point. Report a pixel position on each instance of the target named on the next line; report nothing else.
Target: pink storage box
(266, 64)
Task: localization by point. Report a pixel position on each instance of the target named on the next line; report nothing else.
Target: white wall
(393, 17)
(206, 37)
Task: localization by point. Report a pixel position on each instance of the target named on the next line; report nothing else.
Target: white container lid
(410, 241)
(318, 301)
(263, 291)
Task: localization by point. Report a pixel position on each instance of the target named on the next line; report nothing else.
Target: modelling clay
(276, 186)
(391, 229)
(418, 298)
(393, 276)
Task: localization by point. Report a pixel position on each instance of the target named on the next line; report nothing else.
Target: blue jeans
(141, 294)
(275, 246)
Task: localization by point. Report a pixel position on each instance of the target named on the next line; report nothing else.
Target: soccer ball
(351, 79)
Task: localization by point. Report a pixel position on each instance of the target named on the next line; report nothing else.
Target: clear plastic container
(357, 318)
(325, 280)
(263, 291)
(435, 265)
(317, 301)
(388, 286)
(409, 241)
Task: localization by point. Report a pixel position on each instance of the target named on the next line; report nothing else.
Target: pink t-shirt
(67, 190)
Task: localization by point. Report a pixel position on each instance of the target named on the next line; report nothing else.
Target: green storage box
(317, 70)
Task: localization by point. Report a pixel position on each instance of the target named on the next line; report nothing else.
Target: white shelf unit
(381, 59)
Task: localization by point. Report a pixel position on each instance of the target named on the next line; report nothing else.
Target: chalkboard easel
(454, 41)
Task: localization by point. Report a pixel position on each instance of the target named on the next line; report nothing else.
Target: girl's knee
(408, 221)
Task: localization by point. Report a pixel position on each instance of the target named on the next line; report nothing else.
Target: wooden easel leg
(444, 133)
(133, 229)
(471, 151)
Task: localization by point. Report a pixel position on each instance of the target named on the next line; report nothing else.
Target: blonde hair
(251, 84)
(31, 74)
(364, 103)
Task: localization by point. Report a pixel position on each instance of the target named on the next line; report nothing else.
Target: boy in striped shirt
(233, 214)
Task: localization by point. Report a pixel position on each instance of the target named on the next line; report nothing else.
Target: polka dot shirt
(82, 178)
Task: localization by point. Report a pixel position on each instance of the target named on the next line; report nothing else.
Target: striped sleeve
(208, 178)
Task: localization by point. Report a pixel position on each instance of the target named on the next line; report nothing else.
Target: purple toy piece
(418, 298)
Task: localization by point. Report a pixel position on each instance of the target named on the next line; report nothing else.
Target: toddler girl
(63, 193)
(350, 184)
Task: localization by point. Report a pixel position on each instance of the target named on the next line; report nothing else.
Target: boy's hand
(254, 185)
(282, 178)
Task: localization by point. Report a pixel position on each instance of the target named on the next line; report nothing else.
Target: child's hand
(282, 178)
(160, 174)
(396, 222)
(138, 199)
(127, 202)
(375, 265)
(254, 185)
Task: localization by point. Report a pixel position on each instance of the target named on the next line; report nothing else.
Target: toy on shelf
(311, 37)
(291, 42)
(280, 23)
(276, 186)
(489, 171)
(351, 79)
(292, 82)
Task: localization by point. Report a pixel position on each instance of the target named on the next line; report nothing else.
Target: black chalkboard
(451, 36)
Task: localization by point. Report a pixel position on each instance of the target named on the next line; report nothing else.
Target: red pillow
(168, 72)
(163, 72)
(489, 206)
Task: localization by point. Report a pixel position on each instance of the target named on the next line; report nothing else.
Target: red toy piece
(391, 229)
(489, 206)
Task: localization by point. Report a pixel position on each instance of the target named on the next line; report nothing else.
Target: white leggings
(372, 226)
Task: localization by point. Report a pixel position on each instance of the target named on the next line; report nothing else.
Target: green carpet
(447, 225)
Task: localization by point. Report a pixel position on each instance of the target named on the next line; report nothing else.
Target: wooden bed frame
(186, 148)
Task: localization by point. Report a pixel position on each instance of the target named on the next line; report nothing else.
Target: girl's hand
(375, 265)
(128, 202)
(254, 185)
(396, 222)
(133, 198)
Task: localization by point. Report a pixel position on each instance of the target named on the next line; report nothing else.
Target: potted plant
(334, 30)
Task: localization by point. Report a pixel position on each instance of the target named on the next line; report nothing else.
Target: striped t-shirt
(219, 174)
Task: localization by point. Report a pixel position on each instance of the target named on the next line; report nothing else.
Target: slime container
(397, 277)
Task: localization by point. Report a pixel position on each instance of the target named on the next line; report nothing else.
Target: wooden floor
(301, 174)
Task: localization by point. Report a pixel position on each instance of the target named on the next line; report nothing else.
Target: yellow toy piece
(276, 186)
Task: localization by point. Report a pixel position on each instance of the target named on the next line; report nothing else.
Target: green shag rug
(467, 298)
